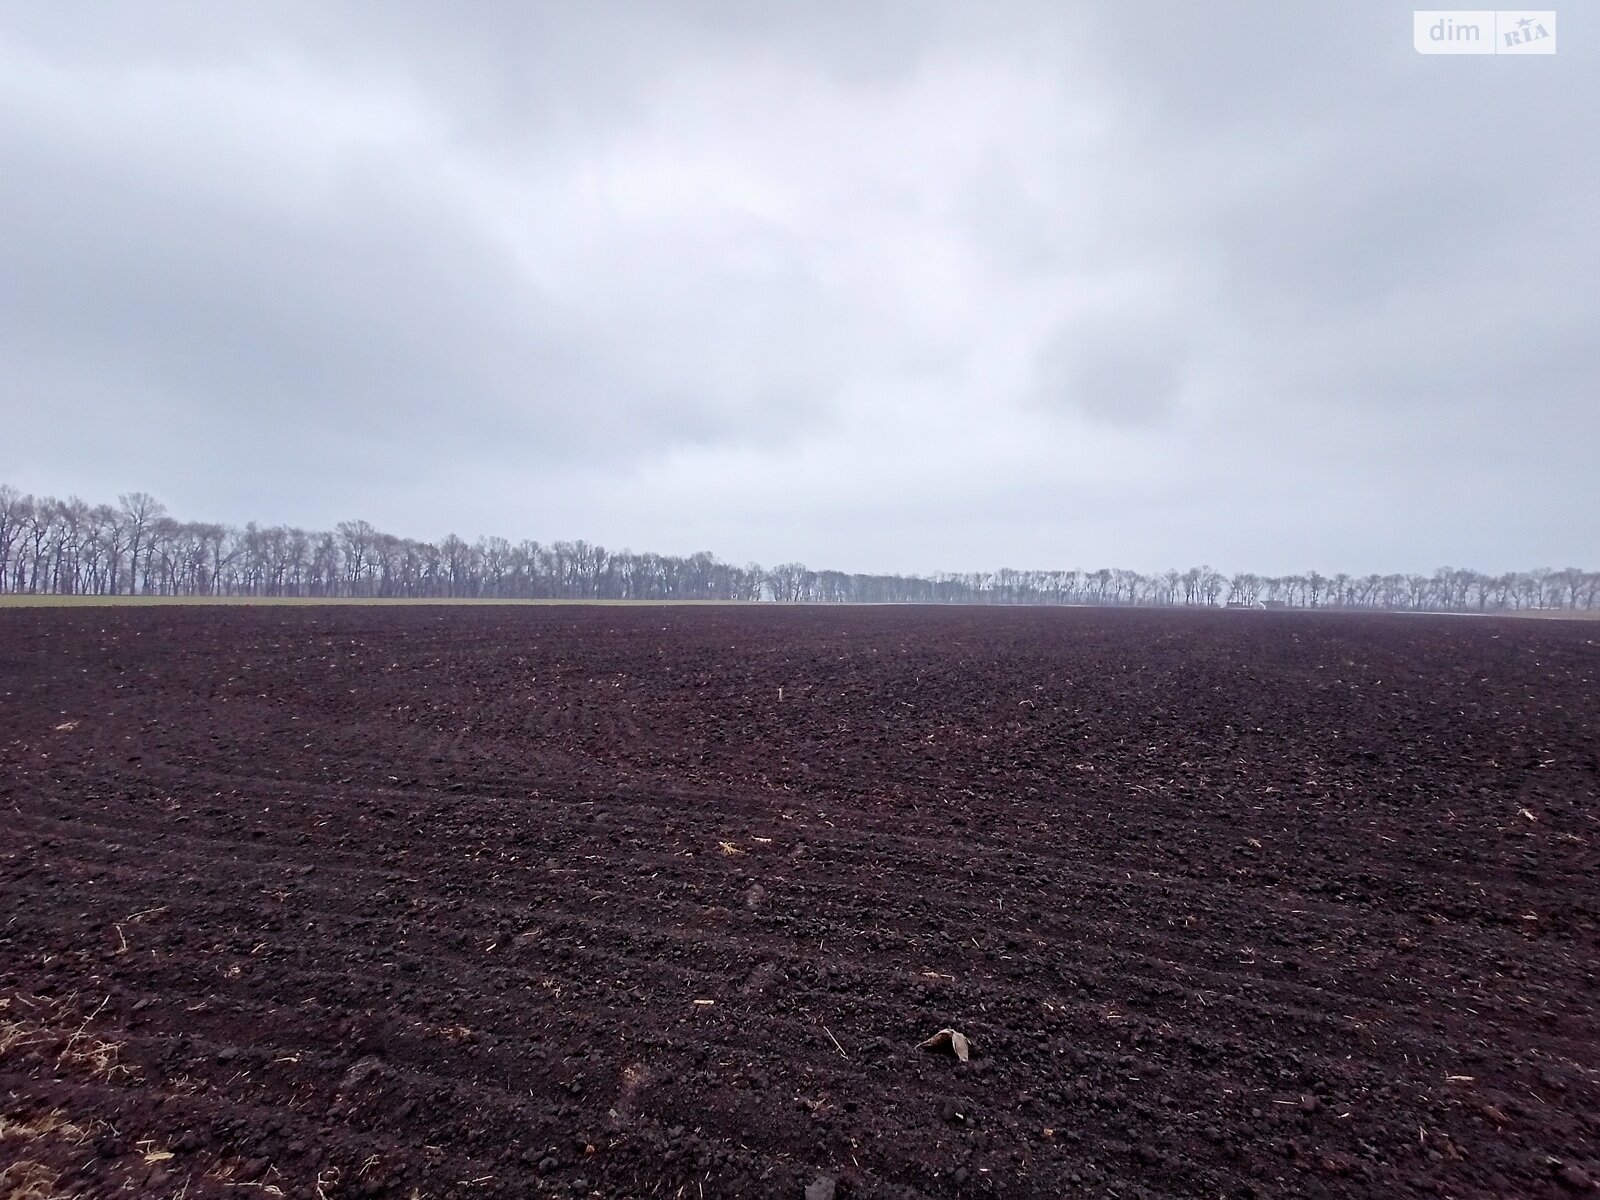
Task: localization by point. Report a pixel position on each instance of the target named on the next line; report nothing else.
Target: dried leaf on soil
(948, 1039)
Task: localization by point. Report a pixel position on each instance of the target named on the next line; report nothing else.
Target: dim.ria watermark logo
(1483, 31)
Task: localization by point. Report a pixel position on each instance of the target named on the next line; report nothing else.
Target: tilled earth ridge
(501, 902)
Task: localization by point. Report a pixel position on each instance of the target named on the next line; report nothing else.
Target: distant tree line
(69, 547)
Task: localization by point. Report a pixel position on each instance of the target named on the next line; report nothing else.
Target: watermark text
(1483, 31)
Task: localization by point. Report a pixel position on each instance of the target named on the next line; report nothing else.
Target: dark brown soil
(505, 902)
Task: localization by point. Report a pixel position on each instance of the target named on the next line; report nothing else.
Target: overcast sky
(900, 287)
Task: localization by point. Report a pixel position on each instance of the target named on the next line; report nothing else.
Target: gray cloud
(887, 286)
(1125, 373)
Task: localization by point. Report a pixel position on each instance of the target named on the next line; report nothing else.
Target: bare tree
(140, 512)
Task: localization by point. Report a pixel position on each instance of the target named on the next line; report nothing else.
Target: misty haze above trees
(69, 547)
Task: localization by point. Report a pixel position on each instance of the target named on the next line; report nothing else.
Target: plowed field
(505, 902)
